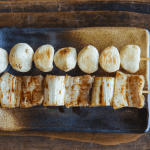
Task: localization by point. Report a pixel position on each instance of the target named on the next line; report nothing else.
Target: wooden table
(78, 13)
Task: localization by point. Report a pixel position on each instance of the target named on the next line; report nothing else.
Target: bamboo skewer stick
(145, 91)
(144, 58)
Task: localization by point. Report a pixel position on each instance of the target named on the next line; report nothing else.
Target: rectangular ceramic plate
(98, 119)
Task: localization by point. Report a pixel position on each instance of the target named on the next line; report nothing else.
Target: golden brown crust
(43, 58)
(110, 59)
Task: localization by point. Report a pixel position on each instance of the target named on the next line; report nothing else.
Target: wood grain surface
(78, 13)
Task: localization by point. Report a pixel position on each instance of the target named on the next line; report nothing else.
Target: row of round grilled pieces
(22, 55)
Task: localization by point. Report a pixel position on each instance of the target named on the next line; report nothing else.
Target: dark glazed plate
(98, 119)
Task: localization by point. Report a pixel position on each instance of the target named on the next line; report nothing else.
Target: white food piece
(11, 90)
(103, 91)
(88, 59)
(21, 57)
(110, 59)
(78, 90)
(3, 60)
(120, 91)
(33, 93)
(134, 87)
(66, 58)
(130, 58)
(85, 83)
(128, 90)
(1, 94)
(72, 91)
(54, 90)
(43, 58)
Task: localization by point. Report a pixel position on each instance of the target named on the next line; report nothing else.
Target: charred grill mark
(100, 94)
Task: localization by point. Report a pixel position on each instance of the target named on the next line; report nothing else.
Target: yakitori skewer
(125, 90)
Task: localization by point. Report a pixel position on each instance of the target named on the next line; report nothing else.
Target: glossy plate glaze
(98, 119)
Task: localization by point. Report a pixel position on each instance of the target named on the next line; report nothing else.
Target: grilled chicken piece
(54, 90)
(11, 90)
(77, 90)
(103, 91)
(32, 91)
(128, 90)
(134, 87)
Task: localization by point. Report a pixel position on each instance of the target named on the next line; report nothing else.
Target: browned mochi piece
(77, 90)
(134, 87)
(32, 91)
